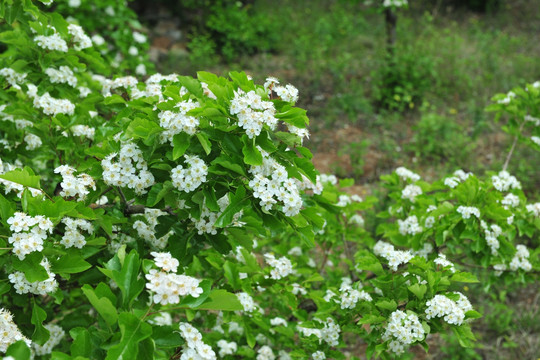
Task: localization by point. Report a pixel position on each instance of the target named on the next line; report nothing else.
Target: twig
(510, 153)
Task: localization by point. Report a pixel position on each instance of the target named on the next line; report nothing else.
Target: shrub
(182, 217)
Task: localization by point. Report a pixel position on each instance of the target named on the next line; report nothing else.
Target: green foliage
(156, 209)
(403, 79)
(440, 138)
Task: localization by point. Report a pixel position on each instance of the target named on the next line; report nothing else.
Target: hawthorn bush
(181, 218)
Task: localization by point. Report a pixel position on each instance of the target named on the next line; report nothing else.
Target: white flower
(467, 211)
(411, 192)
(406, 174)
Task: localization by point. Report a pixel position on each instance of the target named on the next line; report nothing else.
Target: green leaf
(471, 314)
(252, 156)
(227, 164)
(40, 335)
(193, 302)
(166, 337)
(230, 271)
(180, 144)
(192, 85)
(464, 277)
(128, 279)
(103, 305)
(24, 177)
(143, 129)
(158, 192)
(387, 305)
(210, 199)
(294, 116)
(71, 263)
(31, 267)
(418, 289)
(206, 144)
(133, 332)
(221, 300)
(371, 319)
(19, 351)
(464, 335)
(238, 202)
(7, 208)
(81, 345)
(114, 99)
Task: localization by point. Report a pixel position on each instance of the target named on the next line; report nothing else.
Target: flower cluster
(467, 211)
(146, 230)
(510, 200)
(318, 355)
(410, 192)
(534, 209)
(72, 236)
(124, 172)
(492, 233)
(349, 296)
(9, 332)
(80, 39)
(395, 3)
(394, 257)
(253, 113)
(453, 312)
(56, 336)
(459, 176)
(409, 226)
(28, 233)
(12, 77)
(50, 105)
(287, 93)
(226, 348)
(406, 174)
(521, 259)
(402, 330)
(196, 348)
(192, 176)
(443, 262)
(51, 42)
(271, 184)
(22, 286)
(344, 199)
(84, 131)
(32, 141)
(247, 302)
(281, 267)
(168, 286)
(329, 333)
(74, 186)
(177, 122)
(265, 353)
(62, 75)
(504, 181)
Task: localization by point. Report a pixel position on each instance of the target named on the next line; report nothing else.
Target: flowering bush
(182, 218)
(115, 32)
